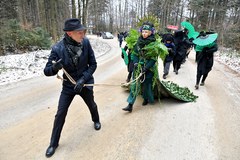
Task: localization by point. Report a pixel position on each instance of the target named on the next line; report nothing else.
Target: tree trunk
(73, 9)
(79, 11)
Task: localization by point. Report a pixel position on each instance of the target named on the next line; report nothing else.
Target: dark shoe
(202, 84)
(145, 102)
(164, 76)
(196, 86)
(97, 125)
(128, 80)
(128, 108)
(176, 71)
(50, 151)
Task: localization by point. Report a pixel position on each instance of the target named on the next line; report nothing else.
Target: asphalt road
(170, 130)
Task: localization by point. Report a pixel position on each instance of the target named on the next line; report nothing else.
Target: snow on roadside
(18, 67)
(231, 59)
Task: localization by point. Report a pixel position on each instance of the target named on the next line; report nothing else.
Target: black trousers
(63, 105)
(199, 75)
(176, 64)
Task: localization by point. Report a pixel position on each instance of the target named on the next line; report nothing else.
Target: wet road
(169, 130)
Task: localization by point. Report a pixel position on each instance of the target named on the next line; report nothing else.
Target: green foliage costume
(145, 57)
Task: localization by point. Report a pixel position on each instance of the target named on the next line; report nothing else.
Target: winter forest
(36, 24)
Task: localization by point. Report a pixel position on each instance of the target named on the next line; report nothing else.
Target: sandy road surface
(208, 129)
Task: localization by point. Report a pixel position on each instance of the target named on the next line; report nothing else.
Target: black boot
(128, 108)
(145, 102)
(50, 151)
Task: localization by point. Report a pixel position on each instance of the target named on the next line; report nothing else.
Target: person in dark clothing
(120, 39)
(182, 44)
(202, 33)
(130, 64)
(168, 41)
(168, 36)
(205, 61)
(74, 53)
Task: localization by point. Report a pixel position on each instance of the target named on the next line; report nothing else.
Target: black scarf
(142, 42)
(74, 49)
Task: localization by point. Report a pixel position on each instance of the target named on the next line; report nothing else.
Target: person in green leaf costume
(145, 56)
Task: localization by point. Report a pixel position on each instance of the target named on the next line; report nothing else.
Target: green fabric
(205, 40)
(148, 91)
(125, 56)
(188, 26)
(193, 35)
(191, 31)
(147, 27)
(200, 48)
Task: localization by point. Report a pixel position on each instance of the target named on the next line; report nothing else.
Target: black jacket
(205, 59)
(86, 66)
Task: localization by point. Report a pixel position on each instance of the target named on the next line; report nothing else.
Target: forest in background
(36, 24)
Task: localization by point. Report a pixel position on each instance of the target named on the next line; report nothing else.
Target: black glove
(58, 65)
(79, 85)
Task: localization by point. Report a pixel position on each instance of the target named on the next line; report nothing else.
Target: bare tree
(73, 3)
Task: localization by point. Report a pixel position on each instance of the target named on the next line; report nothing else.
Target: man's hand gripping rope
(98, 84)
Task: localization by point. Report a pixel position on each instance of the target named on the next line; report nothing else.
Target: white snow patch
(18, 67)
(229, 58)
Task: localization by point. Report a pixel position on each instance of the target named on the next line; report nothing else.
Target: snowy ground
(229, 58)
(18, 67)
(14, 68)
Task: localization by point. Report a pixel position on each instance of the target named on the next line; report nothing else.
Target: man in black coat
(182, 44)
(205, 60)
(74, 53)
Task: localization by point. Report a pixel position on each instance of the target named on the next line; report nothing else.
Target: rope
(99, 84)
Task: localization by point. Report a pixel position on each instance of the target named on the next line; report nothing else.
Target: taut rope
(97, 84)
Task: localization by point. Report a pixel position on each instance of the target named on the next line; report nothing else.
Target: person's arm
(212, 49)
(91, 62)
(174, 50)
(150, 63)
(187, 41)
(49, 68)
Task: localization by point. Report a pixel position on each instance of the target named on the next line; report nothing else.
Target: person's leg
(88, 98)
(199, 75)
(178, 65)
(174, 65)
(120, 43)
(148, 92)
(63, 105)
(166, 69)
(134, 91)
(203, 79)
(129, 76)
